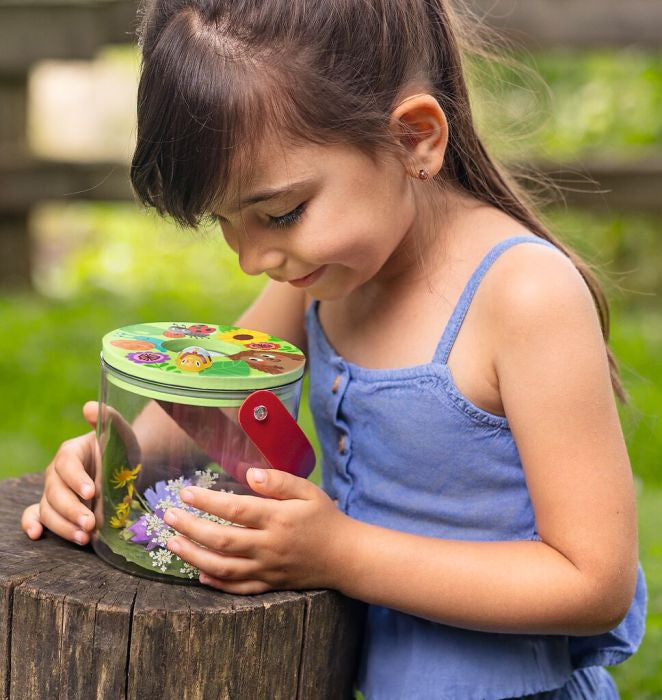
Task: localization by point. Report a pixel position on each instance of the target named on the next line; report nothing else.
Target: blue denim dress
(404, 449)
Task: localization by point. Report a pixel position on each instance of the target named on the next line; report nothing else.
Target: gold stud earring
(423, 174)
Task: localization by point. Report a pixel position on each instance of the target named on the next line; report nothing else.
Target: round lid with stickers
(202, 356)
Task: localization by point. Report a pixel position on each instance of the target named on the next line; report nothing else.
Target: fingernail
(82, 520)
(87, 490)
(186, 496)
(203, 578)
(79, 536)
(173, 546)
(32, 531)
(170, 517)
(258, 475)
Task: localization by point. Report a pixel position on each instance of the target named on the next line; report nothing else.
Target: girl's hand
(290, 540)
(67, 483)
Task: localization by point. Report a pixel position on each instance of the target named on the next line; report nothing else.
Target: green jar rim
(186, 395)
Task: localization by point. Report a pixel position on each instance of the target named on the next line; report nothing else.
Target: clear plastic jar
(170, 397)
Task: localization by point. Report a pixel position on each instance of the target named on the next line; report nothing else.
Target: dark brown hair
(218, 77)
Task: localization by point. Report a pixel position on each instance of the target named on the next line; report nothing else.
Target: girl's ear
(420, 125)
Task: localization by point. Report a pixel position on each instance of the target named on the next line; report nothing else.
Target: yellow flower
(122, 510)
(244, 336)
(120, 517)
(121, 477)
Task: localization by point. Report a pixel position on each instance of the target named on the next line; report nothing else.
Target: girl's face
(340, 222)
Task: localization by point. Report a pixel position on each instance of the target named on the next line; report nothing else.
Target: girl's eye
(287, 219)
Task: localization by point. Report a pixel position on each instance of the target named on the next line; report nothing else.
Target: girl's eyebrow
(270, 193)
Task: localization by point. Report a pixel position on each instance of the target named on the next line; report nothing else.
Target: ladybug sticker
(197, 330)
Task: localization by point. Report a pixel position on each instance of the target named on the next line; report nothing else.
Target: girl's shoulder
(536, 284)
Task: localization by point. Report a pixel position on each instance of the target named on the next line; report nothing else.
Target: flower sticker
(244, 336)
(147, 358)
(263, 346)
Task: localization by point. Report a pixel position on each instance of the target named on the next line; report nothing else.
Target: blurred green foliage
(567, 104)
(102, 266)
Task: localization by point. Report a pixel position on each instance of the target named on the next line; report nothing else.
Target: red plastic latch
(276, 434)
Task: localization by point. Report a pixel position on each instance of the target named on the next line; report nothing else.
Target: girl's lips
(308, 279)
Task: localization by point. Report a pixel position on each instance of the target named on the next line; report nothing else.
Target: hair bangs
(196, 130)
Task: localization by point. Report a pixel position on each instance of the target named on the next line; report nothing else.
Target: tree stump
(75, 627)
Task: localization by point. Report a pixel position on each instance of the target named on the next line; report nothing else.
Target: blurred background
(582, 102)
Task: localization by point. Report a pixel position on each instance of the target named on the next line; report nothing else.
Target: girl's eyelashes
(287, 219)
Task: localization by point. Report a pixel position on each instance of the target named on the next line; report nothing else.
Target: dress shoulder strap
(457, 317)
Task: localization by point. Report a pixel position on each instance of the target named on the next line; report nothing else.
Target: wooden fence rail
(601, 185)
(575, 23)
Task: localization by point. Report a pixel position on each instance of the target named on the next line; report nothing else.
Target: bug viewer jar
(187, 404)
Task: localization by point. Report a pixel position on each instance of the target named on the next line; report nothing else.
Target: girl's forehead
(272, 166)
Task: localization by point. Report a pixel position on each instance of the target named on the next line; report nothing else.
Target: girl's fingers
(67, 504)
(235, 587)
(69, 465)
(91, 412)
(31, 523)
(60, 526)
(218, 565)
(250, 511)
(220, 538)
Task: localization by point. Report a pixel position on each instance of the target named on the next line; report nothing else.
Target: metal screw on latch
(260, 412)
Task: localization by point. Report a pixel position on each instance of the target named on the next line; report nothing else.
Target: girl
(476, 487)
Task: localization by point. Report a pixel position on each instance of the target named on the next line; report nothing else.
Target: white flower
(163, 535)
(152, 523)
(189, 570)
(176, 485)
(161, 558)
(205, 479)
(166, 503)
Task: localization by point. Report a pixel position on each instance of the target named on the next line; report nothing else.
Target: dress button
(341, 444)
(336, 384)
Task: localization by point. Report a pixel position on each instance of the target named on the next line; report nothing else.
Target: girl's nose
(254, 259)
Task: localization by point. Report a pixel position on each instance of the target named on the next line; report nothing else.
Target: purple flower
(150, 529)
(140, 535)
(147, 357)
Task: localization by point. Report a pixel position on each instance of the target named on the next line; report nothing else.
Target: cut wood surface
(75, 627)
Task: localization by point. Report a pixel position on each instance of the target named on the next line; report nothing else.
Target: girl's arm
(279, 310)
(555, 387)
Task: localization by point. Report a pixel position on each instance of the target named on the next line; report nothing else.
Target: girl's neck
(423, 251)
